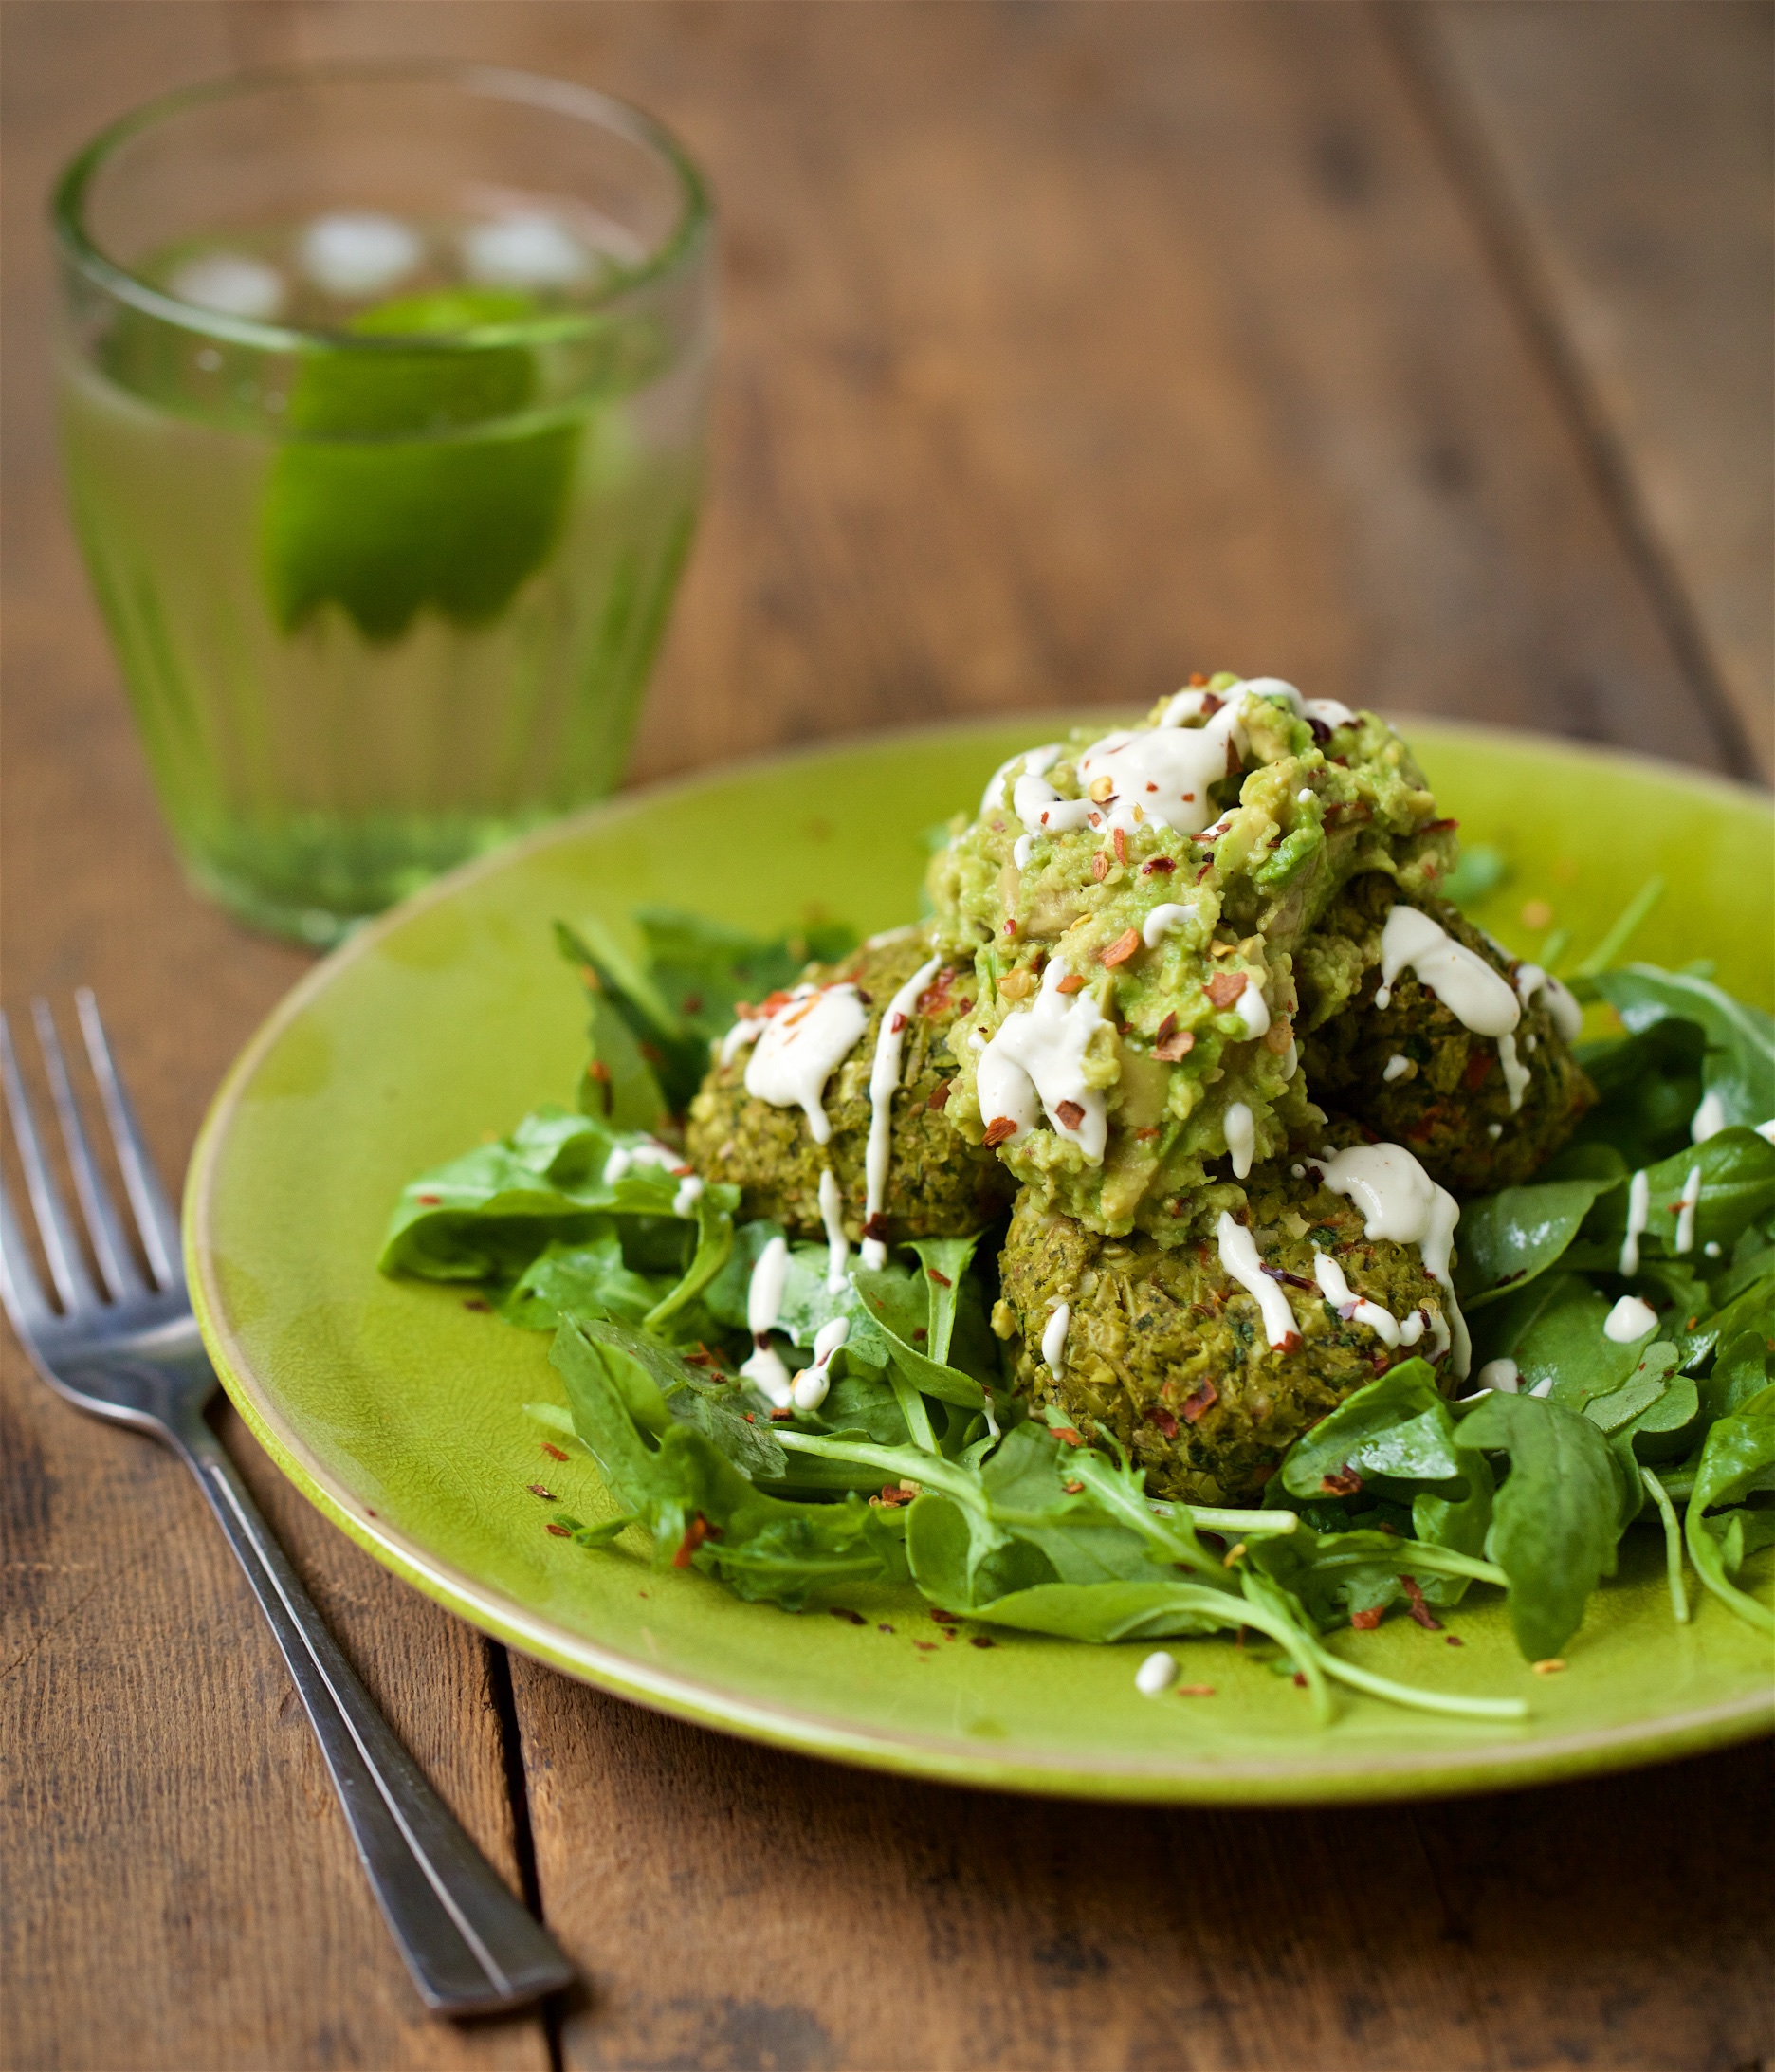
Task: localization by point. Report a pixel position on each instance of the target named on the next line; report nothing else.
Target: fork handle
(470, 1946)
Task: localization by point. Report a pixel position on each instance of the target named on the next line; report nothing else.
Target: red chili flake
(1365, 1622)
(1195, 1690)
(892, 1494)
(1207, 867)
(558, 1532)
(1157, 1414)
(772, 1002)
(1146, 1132)
(1068, 1113)
(1438, 827)
(919, 1331)
(428, 1200)
(1170, 1049)
(696, 1533)
(1225, 987)
(1072, 1489)
(1454, 1640)
(547, 1495)
(1478, 1065)
(876, 1228)
(690, 1004)
(1010, 926)
(474, 1302)
(1000, 1129)
(950, 1634)
(1157, 866)
(840, 1611)
(1420, 1610)
(750, 1417)
(1197, 681)
(943, 1280)
(979, 1640)
(1291, 1280)
(926, 1647)
(1120, 839)
(1193, 1406)
(1100, 865)
(940, 1097)
(896, 1024)
(778, 1417)
(553, 1452)
(1300, 1680)
(945, 1618)
(1346, 1482)
(1070, 983)
(883, 1627)
(600, 1072)
(1123, 948)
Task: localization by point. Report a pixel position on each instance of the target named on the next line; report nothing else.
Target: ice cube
(524, 252)
(231, 283)
(357, 252)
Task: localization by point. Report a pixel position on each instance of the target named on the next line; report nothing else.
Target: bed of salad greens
(918, 1467)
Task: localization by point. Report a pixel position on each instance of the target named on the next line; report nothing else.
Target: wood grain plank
(1634, 147)
(734, 1907)
(1067, 349)
(180, 1889)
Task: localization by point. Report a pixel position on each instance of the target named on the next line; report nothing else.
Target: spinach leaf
(1648, 1086)
(584, 1279)
(486, 1215)
(1510, 1237)
(1739, 1066)
(1736, 1172)
(1554, 1525)
(1397, 1425)
(642, 1050)
(700, 968)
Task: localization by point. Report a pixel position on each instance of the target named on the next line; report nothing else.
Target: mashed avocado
(936, 1185)
(1130, 905)
(1165, 1348)
(1479, 1112)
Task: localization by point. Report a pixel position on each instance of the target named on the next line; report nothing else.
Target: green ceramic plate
(396, 1408)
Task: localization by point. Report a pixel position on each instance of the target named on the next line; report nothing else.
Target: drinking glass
(382, 400)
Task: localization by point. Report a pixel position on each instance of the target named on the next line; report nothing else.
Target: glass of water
(382, 396)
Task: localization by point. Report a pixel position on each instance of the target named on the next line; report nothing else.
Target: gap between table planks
(1067, 350)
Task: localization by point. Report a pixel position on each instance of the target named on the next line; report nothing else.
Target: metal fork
(125, 1347)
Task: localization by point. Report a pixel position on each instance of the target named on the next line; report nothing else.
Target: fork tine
(154, 1214)
(115, 1268)
(67, 1269)
(19, 1291)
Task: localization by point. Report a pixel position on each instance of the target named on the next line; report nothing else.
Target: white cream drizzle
(743, 1031)
(1253, 1009)
(1396, 1067)
(1053, 1342)
(883, 1083)
(1686, 1206)
(1567, 1015)
(1639, 1207)
(1043, 810)
(1352, 1308)
(811, 1385)
(1036, 761)
(1161, 774)
(1515, 1071)
(1164, 921)
(1399, 1200)
(1156, 1675)
(1766, 1131)
(1708, 1119)
(1241, 1137)
(1502, 1375)
(1629, 1320)
(1462, 980)
(837, 1244)
(685, 1201)
(1021, 850)
(1037, 1060)
(803, 1044)
(764, 1370)
(1239, 1256)
(627, 1156)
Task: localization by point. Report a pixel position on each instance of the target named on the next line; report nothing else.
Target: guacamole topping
(1130, 904)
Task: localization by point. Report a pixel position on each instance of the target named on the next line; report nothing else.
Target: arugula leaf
(584, 1279)
(1510, 1237)
(1737, 1459)
(1739, 1066)
(702, 969)
(693, 1494)
(1554, 1524)
(642, 1052)
(1648, 1086)
(890, 1303)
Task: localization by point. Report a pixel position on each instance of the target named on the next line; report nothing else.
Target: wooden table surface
(1420, 356)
